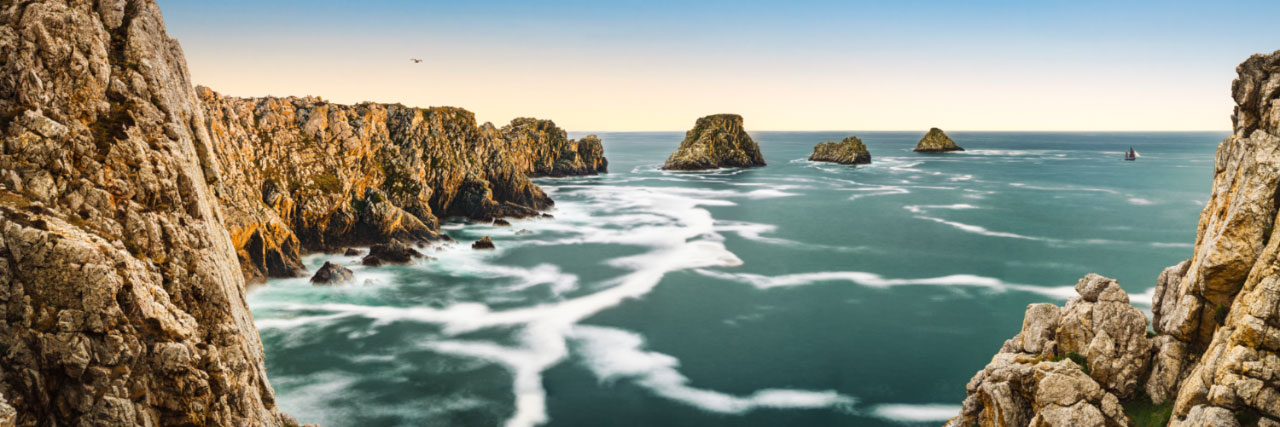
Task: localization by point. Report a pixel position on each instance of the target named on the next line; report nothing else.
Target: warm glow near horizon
(817, 66)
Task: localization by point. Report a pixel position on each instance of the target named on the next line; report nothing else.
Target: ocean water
(794, 294)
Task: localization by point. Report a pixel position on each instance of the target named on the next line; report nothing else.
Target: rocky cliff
(936, 141)
(1213, 357)
(302, 174)
(849, 151)
(121, 301)
(716, 141)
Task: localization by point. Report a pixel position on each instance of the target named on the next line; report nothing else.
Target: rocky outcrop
(484, 243)
(121, 299)
(936, 141)
(1068, 366)
(332, 274)
(539, 148)
(1214, 357)
(302, 174)
(717, 141)
(849, 151)
(393, 252)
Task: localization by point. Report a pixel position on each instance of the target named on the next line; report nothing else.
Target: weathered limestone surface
(121, 301)
(1215, 353)
(302, 174)
(936, 141)
(1033, 379)
(716, 141)
(849, 151)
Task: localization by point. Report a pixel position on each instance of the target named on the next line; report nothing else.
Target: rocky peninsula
(849, 151)
(302, 175)
(1213, 356)
(936, 141)
(716, 141)
(135, 207)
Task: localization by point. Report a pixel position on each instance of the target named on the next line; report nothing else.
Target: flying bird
(416, 60)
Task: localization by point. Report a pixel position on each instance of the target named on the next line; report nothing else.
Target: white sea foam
(1140, 201)
(681, 243)
(977, 229)
(876, 281)
(1066, 188)
(614, 354)
(916, 413)
(922, 208)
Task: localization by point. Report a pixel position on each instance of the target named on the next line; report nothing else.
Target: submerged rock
(499, 222)
(936, 141)
(484, 243)
(394, 252)
(850, 151)
(332, 274)
(716, 141)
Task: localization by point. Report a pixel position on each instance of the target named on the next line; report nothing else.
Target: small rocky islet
(849, 151)
(716, 141)
(936, 141)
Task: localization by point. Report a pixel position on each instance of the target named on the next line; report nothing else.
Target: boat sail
(1131, 155)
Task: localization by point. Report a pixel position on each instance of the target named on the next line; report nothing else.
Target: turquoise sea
(798, 294)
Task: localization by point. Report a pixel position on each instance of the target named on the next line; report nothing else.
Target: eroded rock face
(1023, 385)
(716, 141)
(539, 148)
(936, 141)
(302, 174)
(849, 151)
(121, 301)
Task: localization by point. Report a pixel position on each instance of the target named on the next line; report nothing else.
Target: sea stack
(850, 151)
(936, 141)
(716, 141)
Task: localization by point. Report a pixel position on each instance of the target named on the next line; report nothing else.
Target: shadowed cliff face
(1215, 356)
(717, 141)
(303, 175)
(121, 301)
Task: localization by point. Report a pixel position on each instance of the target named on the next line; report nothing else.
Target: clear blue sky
(817, 65)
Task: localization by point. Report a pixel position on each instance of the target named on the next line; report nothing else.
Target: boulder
(352, 252)
(395, 252)
(716, 141)
(332, 274)
(936, 141)
(849, 151)
(484, 243)
(499, 222)
(1067, 366)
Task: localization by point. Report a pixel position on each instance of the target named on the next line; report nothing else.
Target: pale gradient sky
(798, 65)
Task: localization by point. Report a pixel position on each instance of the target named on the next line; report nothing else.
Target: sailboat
(1131, 155)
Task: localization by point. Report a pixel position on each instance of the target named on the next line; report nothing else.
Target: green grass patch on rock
(1145, 413)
